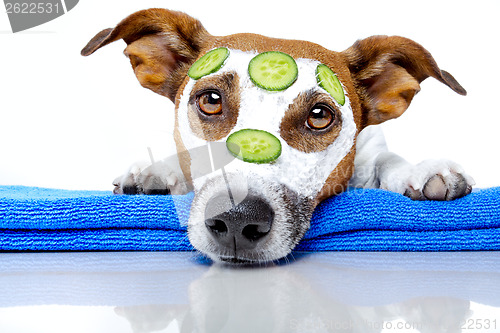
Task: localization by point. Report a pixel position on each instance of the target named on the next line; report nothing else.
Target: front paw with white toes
(156, 179)
(441, 180)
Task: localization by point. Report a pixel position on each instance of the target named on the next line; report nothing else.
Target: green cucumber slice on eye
(273, 71)
(330, 82)
(254, 146)
(209, 63)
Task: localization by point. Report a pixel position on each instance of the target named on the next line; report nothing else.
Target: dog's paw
(428, 180)
(128, 182)
(438, 180)
(157, 179)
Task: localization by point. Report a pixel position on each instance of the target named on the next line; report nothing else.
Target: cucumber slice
(330, 82)
(254, 146)
(274, 71)
(210, 63)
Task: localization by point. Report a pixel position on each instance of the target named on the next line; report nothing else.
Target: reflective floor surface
(309, 292)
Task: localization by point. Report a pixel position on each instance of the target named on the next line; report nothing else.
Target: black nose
(241, 227)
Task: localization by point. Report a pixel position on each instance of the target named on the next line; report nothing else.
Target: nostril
(216, 226)
(240, 227)
(254, 232)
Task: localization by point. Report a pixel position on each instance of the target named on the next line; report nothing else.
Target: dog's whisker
(180, 241)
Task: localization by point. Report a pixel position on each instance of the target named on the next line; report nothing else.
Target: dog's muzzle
(242, 227)
(247, 218)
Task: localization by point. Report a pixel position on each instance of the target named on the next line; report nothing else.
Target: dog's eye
(210, 103)
(320, 117)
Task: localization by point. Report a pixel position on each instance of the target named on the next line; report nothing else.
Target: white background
(76, 122)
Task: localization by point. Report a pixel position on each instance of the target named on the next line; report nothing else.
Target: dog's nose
(241, 227)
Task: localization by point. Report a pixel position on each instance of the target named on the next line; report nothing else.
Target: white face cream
(303, 173)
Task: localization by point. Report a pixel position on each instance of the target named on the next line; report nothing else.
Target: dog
(247, 211)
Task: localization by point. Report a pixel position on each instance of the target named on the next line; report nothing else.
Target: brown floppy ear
(162, 44)
(387, 72)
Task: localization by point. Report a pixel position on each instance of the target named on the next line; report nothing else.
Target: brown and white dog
(247, 212)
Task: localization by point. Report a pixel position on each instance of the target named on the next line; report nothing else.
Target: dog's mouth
(252, 221)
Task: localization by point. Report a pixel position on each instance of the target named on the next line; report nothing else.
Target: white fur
(376, 167)
(274, 246)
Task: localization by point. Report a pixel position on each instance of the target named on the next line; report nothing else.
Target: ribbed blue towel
(37, 219)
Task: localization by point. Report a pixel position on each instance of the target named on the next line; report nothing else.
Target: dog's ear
(387, 72)
(161, 46)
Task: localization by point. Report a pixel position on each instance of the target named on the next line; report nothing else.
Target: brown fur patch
(153, 63)
(387, 72)
(293, 127)
(217, 126)
(337, 181)
(390, 95)
(162, 45)
(184, 157)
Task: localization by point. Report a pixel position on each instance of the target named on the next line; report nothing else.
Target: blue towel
(37, 219)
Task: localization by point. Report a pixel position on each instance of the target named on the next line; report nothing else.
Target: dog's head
(247, 211)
